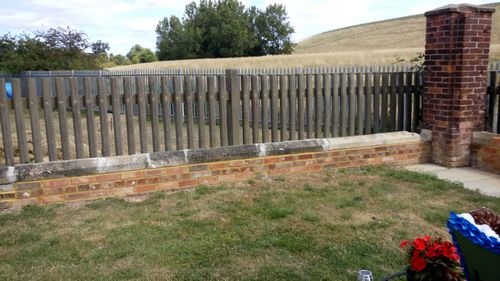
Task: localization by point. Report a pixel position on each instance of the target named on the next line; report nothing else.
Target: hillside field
(366, 44)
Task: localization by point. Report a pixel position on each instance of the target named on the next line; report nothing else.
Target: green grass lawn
(316, 226)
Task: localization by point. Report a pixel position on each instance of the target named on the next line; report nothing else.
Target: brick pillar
(456, 61)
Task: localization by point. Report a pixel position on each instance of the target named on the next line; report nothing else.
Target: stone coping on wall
(482, 138)
(460, 8)
(101, 165)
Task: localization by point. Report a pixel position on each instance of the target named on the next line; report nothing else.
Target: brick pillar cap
(460, 8)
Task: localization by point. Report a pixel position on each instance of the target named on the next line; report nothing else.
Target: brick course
(456, 49)
(60, 190)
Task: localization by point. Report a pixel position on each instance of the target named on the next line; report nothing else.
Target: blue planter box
(479, 254)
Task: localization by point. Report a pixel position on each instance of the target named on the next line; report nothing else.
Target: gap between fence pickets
(100, 165)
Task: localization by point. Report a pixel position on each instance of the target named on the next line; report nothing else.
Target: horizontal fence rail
(209, 71)
(68, 118)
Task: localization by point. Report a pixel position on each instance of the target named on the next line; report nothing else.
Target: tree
(54, 49)
(224, 28)
(139, 54)
(172, 41)
(99, 47)
(273, 30)
(119, 59)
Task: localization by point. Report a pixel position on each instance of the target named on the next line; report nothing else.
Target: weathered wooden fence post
(233, 86)
(456, 60)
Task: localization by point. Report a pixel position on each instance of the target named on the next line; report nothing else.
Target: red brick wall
(61, 190)
(456, 60)
(487, 156)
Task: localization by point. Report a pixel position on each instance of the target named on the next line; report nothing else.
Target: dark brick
(27, 185)
(198, 168)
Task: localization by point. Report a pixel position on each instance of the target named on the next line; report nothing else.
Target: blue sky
(123, 23)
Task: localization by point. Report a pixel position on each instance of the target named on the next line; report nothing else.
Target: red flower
(432, 257)
(419, 244)
(432, 251)
(449, 250)
(417, 263)
(403, 244)
(455, 257)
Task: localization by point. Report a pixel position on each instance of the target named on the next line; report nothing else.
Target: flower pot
(410, 275)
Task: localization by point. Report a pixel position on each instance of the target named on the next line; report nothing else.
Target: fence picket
(154, 111)
(179, 118)
(352, 104)
(223, 111)
(492, 81)
(497, 90)
(129, 114)
(256, 117)
(63, 120)
(48, 117)
(5, 122)
(116, 115)
(166, 101)
(234, 106)
(245, 90)
(274, 108)
(35, 120)
(77, 120)
(393, 102)
(327, 92)
(408, 107)
(89, 106)
(188, 100)
(284, 107)
(318, 100)
(310, 105)
(335, 104)
(360, 101)
(103, 116)
(368, 103)
(418, 90)
(343, 105)
(264, 82)
(141, 101)
(201, 96)
(292, 98)
(300, 106)
(211, 110)
(385, 94)
(400, 92)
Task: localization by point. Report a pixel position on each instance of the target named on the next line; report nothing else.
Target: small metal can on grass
(365, 275)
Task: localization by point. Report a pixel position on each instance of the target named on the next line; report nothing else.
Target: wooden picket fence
(127, 115)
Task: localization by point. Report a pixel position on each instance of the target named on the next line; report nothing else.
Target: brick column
(456, 61)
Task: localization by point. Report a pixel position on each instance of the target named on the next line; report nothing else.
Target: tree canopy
(225, 28)
(54, 49)
(139, 54)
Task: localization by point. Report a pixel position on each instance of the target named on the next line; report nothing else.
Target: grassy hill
(370, 43)
(404, 34)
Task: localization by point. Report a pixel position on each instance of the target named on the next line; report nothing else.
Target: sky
(123, 23)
